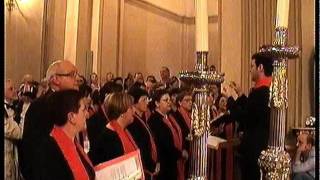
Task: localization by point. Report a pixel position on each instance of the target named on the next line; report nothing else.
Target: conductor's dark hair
(265, 61)
(61, 103)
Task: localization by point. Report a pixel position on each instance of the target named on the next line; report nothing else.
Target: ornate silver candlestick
(200, 124)
(275, 161)
(200, 78)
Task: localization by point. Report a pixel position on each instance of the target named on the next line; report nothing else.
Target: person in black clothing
(60, 155)
(222, 119)
(183, 114)
(115, 140)
(61, 75)
(168, 137)
(141, 133)
(183, 117)
(98, 121)
(253, 114)
(173, 96)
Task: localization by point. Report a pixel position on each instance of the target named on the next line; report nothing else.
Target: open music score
(126, 167)
(214, 142)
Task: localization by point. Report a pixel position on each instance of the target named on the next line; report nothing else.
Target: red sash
(177, 138)
(186, 116)
(127, 141)
(69, 151)
(154, 154)
(264, 82)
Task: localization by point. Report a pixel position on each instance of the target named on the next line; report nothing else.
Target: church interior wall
(23, 39)
(143, 35)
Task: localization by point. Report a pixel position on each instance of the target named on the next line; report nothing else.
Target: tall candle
(201, 10)
(282, 13)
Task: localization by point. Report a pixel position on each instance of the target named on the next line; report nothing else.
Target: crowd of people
(63, 126)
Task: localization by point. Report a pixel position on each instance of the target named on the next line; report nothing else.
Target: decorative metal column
(274, 162)
(200, 78)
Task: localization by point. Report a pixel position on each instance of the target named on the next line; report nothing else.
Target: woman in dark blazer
(60, 156)
(115, 140)
(167, 134)
(141, 133)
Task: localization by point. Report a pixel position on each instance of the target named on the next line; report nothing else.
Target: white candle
(201, 9)
(282, 13)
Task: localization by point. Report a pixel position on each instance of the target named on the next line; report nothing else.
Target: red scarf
(175, 131)
(177, 139)
(127, 141)
(153, 144)
(266, 81)
(69, 151)
(186, 116)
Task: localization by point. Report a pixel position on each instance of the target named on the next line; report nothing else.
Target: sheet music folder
(214, 141)
(126, 167)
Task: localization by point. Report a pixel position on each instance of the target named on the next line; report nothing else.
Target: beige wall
(54, 37)
(308, 58)
(230, 40)
(143, 36)
(84, 35)
(301, 78)
(23, 38)
(151, 39)
(109, 37)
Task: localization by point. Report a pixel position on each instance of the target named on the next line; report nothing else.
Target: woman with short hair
(60, 156)
(168, 137)
(115, 140)
(141, 133)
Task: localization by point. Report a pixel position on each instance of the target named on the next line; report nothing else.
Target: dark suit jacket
(168, 153)
(253, 114)
(108, 147)
(141, 137)
(37, 125)
(96, 124)
(50, 163)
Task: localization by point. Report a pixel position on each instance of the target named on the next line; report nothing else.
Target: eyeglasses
(73, 74)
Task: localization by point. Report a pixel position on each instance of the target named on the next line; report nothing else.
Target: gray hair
(52, 69)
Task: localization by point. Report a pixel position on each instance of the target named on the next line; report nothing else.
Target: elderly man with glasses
(61, 75)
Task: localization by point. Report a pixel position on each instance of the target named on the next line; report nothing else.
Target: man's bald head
(62, 75)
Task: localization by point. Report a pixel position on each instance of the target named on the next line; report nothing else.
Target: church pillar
(71, 31)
